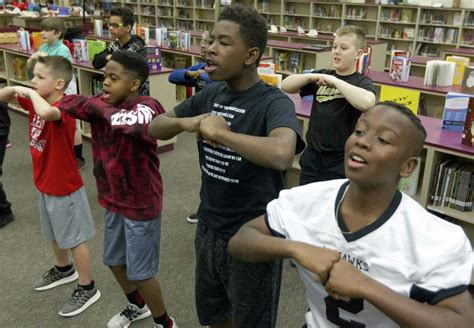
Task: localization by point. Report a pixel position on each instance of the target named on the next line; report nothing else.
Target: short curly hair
(133, 63)
(253, 27)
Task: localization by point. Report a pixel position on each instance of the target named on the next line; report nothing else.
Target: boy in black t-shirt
(340, 96)
(249, 134)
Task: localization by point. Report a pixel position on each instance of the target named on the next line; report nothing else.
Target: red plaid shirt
(126, 166)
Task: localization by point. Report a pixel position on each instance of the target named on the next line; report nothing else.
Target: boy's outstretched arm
(275, 151)
(42, 108)
(255, 243)
(455, 311)
(294, 82)
(168, 125)
(7, 94)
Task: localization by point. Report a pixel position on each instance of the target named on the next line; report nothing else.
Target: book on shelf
(94, 47)
(363, 64)
(467, 85)
(280, 58)
(266, 68)
(461, 63)
(408, 33)
(400, 69)
(468, 131)
(463, 196)
(439, 73)
(98, 27)
(81, 52)
(455, 110)
(272, 79)
(397, 53)
(153, 57)
(406, 15)
(23, 38)
(295, 63)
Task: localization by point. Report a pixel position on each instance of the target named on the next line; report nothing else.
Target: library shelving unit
(13, 71)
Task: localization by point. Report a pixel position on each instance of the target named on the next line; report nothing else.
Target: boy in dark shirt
(249, 136)
(6, 214)
(129, 183)
(121, 22)
(340, 96)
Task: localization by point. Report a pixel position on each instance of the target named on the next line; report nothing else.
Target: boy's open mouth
(210, 66)
(355, 160)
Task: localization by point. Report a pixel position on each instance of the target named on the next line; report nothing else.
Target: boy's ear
(252, 56)
(408, 167)
(135, 85)
(60, 84)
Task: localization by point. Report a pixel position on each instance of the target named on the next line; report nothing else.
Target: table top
(414, 82)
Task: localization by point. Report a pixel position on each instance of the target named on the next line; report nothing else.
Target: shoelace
(77, 295)
(129, 313)
(51, 275)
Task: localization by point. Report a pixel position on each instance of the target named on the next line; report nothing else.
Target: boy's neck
(362, 206)
(346, 72)
(55, 97)
(53, 43)
(123, 40)
(247, 79)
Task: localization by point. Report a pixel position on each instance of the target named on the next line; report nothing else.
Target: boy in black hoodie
(121, 22)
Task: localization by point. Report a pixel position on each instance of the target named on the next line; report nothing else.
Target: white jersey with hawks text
(408, 249)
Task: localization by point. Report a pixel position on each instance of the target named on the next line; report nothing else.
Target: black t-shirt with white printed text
(235, 190)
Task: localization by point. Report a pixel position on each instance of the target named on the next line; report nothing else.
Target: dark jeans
(5, 206)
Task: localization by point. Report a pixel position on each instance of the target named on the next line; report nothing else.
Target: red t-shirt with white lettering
(52, 150)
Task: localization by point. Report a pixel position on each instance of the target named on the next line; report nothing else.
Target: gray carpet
(24, 255)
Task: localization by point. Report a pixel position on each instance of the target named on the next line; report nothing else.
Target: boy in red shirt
(65, 214)
(129, 183)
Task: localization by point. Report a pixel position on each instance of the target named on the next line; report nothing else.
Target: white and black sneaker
(128, 315)
(193, 218)
(53, 278)
(80, 300)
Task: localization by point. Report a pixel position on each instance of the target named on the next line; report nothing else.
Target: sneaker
(128, 315)
(80, 300)
(193, 218)
(4, 220)
(81, 163)
(172, 324)
(8, 144)
(54, 278)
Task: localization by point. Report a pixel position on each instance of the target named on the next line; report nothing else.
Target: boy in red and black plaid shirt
(129, 183)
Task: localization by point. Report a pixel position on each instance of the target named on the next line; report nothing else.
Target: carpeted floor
(24, 255)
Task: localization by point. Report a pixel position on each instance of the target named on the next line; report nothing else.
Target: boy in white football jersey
(369, 256)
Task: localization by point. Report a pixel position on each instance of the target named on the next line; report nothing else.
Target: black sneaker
(81, 163)
(193, 218)
(4, 220)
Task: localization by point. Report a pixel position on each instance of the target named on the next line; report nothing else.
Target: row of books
(293, 22)
(290, 63)
(406, 33)
(397, 15)
(453, 185)
(328, 11)
(438, 35)
(431, 17)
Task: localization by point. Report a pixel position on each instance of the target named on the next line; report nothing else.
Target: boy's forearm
(165, 127)
(359, 98)
(294, 82)
(410, 313)
(7, 94)
(251, 245)
(274, 151)
(43, 109)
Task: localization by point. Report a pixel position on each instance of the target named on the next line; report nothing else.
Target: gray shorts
(227, 288)
(66, 219)
(135, 244)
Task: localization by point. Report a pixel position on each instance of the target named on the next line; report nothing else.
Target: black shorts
(316, 166)
(227, 288)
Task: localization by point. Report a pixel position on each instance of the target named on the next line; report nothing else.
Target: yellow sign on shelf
(408, 97)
